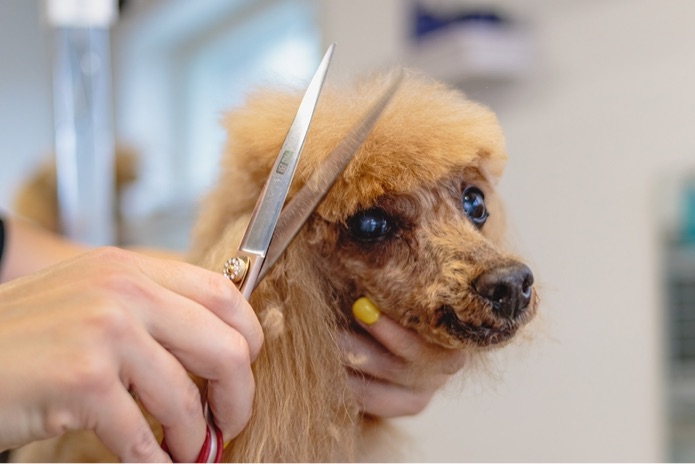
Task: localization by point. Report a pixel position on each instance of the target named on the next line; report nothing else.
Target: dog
(414, 224)
(37, 198)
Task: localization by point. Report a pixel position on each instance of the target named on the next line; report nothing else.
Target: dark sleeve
(2, 240)
(5, 454)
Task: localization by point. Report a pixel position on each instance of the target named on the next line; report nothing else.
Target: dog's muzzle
(508, 288)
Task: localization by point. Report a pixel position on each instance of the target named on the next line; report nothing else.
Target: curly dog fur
(427, 147)
(422, 267)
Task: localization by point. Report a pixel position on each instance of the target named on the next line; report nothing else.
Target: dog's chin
(479, 334)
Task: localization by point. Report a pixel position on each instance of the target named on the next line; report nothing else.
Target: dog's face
(428, 259)
(414, 222)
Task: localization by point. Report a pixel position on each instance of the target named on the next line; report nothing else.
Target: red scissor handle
(211, 451)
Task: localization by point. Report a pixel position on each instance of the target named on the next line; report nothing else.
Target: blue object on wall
(689, 211)
(427, 21)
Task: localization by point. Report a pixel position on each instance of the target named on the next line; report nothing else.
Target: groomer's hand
(79, 337)
(392, 370)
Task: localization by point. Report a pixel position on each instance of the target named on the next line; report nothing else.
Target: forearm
(29, 249)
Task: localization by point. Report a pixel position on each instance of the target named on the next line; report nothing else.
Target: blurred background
(596, 98)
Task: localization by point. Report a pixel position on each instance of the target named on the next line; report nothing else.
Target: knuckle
(108, 322)
(226, 297)
(434, 382)
(118, 273)
(58, 421)
(120, 281)
(272, 319)
(242, 420)
(220, 286)
(191, 404)
(235, 355)
(236, 352)
(453, 363)
(111, 254)
(144, 448)
(90, 375)
(397, 369)
(418, 403)
(407, 347)
(222, 295)
(233, 424)
(256, 340)
(449, 369)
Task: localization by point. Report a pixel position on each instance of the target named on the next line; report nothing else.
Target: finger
(363, 354)
(209, 289)
(231, 396)
(167, 393)
(203, 343)
(221, 297)
(211, 349)
(386, 400)
(406, 343)
(122, 428)
(396, 338)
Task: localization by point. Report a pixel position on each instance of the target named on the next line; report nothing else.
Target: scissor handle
(212, 448)
(214, 452)
(243, 270)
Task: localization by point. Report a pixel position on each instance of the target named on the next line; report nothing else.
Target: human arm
(78, 337)
(28, 249)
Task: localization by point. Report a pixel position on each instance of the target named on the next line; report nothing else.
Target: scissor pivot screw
(235, 268)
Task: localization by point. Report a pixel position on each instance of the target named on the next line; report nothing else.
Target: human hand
(77, 338)
(393, 371)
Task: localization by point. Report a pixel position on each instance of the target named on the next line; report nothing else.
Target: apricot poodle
(414, 224)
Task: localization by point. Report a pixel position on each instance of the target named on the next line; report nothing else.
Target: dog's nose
(507, 287)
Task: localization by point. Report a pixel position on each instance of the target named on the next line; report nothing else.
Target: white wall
(26, 122)
(368, 35)
(609, 110)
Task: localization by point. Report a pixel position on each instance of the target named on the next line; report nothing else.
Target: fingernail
(365, 311)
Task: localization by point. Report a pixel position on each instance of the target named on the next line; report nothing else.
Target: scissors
(271, 228)
(269, 231)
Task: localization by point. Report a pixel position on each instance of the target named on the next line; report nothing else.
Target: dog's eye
(371, 224)
(474, 206)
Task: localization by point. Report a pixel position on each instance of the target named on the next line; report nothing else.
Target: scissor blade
(307, 199)
(267, 210)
